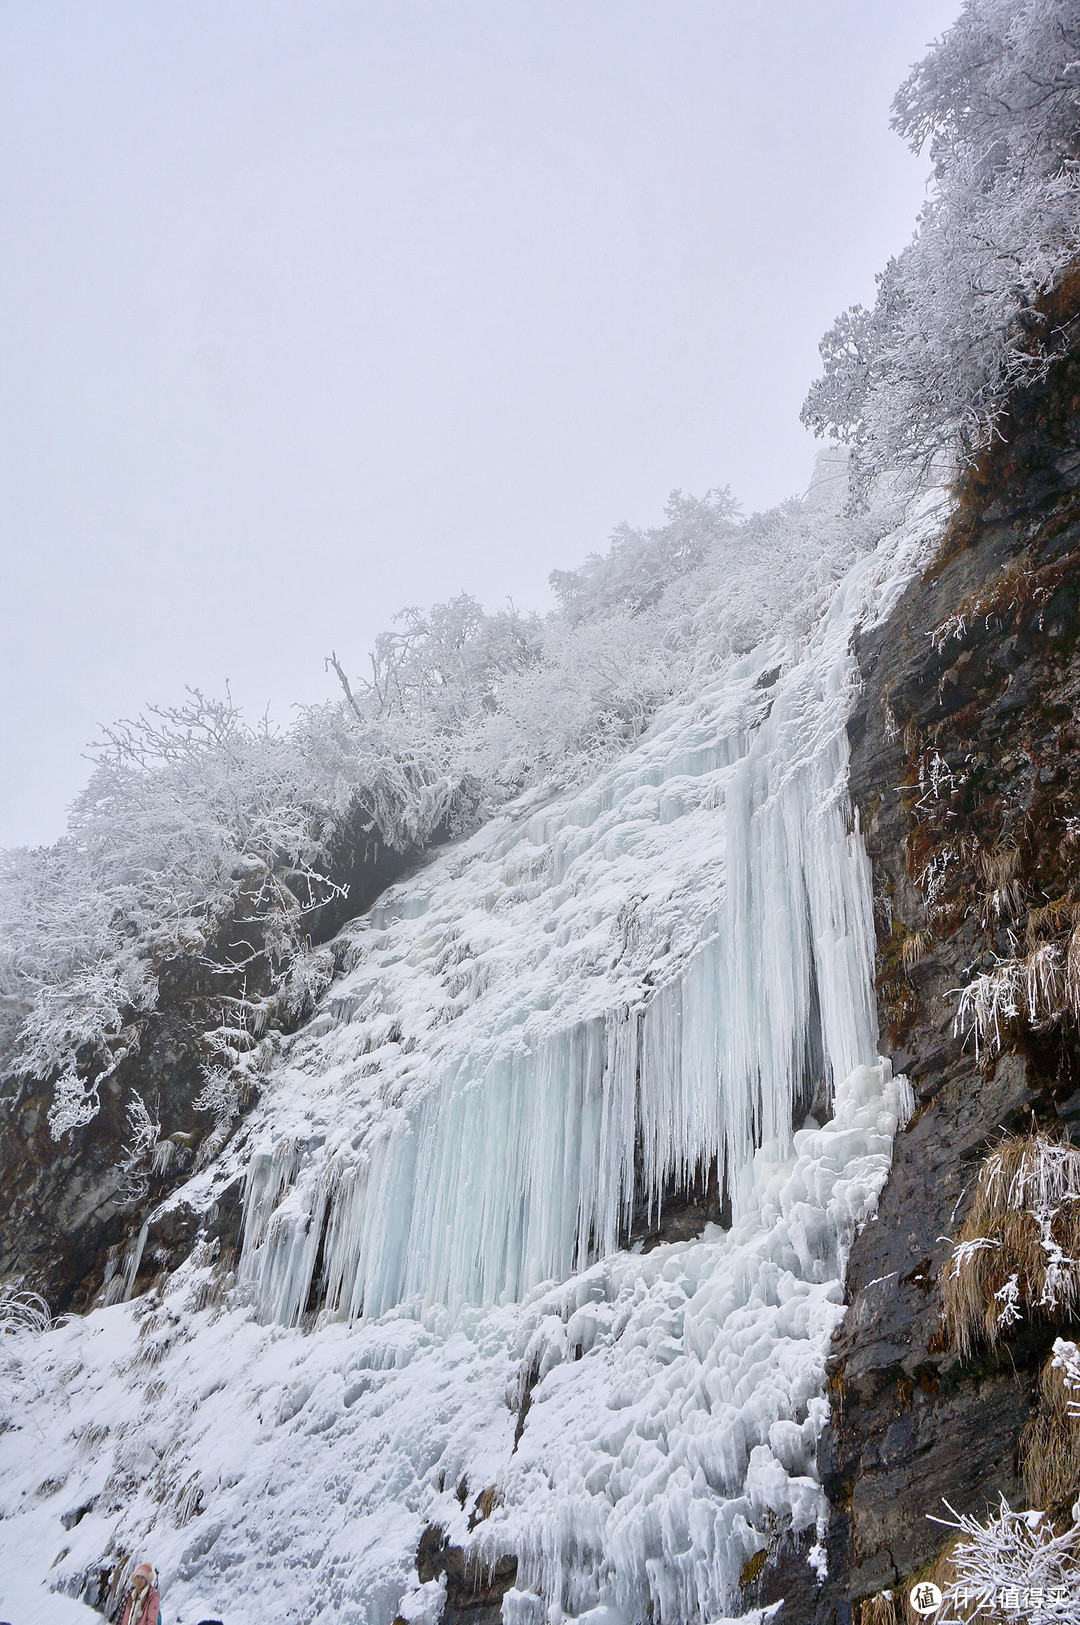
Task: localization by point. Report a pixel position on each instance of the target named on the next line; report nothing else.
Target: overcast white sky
(309, 310)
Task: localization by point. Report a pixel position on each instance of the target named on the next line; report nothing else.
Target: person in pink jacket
(143, 1604)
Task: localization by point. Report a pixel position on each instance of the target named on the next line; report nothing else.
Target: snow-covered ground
(25, 1601)
(594, 994)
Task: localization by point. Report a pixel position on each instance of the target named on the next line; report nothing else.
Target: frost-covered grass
(22, 1315)
(22, 1312)
(1050, 1448)
(1018, 1251)
(1039, 989)
(879, 1609)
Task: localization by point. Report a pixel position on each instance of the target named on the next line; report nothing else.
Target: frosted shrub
(70, 976)
(594, 692)
(1018, 1252)
(961, 317)
(138, 1153)
(1014, 1564)
(190, 819)
(193, 824)
(23, 1315)
(444, 666)
(641, 566)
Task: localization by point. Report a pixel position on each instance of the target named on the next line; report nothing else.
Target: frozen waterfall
(581, 1006)
(439, 1318)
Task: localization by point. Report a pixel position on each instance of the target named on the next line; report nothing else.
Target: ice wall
(587, 1002)
(438, 1321)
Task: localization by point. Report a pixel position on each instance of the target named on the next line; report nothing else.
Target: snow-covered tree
(443, 666)
(641, 565)
(962, 315)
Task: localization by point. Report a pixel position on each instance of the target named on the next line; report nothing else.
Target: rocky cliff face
(966, 771)
(72, 1211)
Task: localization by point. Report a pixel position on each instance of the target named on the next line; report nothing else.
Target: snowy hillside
(436, 1319)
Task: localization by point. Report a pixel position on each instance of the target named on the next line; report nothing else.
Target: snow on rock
(595, 995)
(26, 1601)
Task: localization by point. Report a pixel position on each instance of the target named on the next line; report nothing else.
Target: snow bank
(27, 1602)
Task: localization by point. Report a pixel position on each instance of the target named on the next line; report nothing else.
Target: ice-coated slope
(590, 999)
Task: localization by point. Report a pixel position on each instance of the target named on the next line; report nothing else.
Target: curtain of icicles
(520, 1166)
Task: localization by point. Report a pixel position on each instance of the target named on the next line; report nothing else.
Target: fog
(310, 311)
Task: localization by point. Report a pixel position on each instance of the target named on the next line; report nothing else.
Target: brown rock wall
(965, 768)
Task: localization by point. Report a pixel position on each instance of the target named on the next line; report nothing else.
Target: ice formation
(593, 999)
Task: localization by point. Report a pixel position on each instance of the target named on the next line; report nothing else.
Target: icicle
(132, 1262)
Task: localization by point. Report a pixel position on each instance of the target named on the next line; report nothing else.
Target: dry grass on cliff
(1018, 1252)
(879, 1610)
(1050, 1446)
(1017, 591)
(1003, 888)
(1050, 921)
(914, 948)
(1039, 990)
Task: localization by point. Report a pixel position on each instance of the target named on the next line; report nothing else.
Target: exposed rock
(70, 1213)
(964, 744)
(474, 1591)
